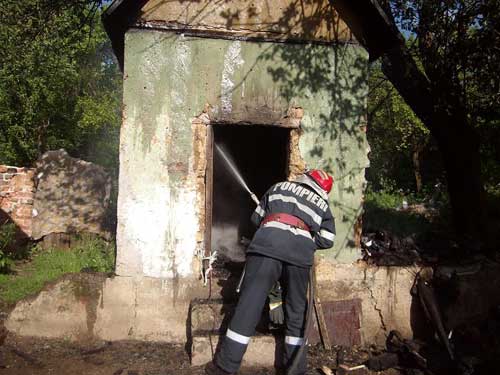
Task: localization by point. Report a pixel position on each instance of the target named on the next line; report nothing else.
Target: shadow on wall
(343, 77)
(332, 69)
(340, 125)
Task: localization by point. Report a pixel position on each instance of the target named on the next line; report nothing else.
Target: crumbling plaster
(170, 79)
(384, 292)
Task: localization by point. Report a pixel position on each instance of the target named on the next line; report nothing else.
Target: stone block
(72, 196)
(261, 352)
(56, 312)
(116, 312)
(118, 308)
(162, 309)
(209, 316)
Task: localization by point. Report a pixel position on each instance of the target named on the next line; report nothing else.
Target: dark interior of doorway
(261, 155)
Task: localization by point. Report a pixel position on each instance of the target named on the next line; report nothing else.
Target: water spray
(236, 173)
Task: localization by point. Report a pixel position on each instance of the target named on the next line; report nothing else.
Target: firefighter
(293, 220)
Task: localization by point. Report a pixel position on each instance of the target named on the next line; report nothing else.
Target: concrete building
(281, 87)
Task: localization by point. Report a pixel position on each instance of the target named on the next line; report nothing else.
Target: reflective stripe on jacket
(284, 242)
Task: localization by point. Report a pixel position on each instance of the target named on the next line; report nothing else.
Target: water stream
(233, 168)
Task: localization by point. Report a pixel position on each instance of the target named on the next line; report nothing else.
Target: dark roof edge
(117, 19)
(365, 18)
(369, 24)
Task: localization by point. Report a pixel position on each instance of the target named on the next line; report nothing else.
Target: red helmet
(323, 179)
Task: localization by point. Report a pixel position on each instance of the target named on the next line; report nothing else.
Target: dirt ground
(29, 356)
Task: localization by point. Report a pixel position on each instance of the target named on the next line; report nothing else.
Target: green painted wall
(169, 80)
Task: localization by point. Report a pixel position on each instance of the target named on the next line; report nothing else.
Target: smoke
(225, 239)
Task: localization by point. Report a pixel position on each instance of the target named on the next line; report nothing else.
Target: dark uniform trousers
(260, 275)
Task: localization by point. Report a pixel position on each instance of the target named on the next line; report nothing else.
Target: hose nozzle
(254, 198)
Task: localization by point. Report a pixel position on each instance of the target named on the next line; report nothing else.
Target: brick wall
(17, 190)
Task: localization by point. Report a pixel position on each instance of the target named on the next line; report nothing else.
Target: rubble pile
(382, 248)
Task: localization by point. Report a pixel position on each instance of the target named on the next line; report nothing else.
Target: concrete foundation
(261, 351)
(89, 306)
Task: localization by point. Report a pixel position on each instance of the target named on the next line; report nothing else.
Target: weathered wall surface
(72, 196)
(16, 197)
(88, 306)
(384, 294)
(171, 79)
(282, 20)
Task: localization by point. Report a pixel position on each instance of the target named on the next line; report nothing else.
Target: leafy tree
(59, 83)
(393, 126)
(457, 45)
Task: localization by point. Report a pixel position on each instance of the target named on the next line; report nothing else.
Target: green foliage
(47, 265)
(59, 83)
(395, 134)
(386, 199)
(456, 45)
(382, 213)
(7, 236)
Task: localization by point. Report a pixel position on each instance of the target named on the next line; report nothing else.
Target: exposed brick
(23, 211)
(16, 195)
(7, 209)
(21, 181)
(21, 195)
(21, 222)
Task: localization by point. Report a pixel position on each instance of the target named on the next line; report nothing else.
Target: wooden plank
(209, 185)
(320, 316)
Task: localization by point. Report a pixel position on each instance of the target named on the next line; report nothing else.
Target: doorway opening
(261, 155)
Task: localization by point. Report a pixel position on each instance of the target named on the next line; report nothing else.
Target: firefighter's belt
(291, 220)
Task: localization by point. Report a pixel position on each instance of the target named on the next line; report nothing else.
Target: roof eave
(117, 19)
(369, 24)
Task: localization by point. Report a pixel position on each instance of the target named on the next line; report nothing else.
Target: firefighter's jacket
(282, 241)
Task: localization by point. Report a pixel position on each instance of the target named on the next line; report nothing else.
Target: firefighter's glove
(276, 314)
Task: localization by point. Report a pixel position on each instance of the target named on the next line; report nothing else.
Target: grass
(47, 265)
